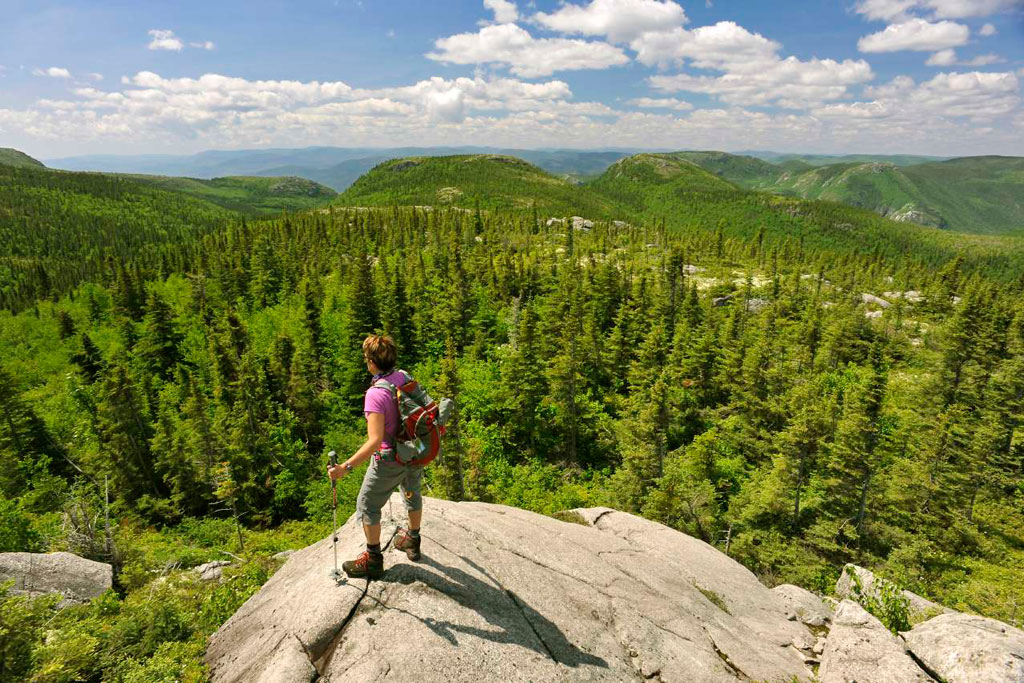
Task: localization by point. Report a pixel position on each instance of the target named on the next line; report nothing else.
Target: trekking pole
(332, 457)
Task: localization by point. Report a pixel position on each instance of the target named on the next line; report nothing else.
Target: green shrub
(16, 532)
(21, 623)
(67, 654)
(174, 662)
(888, 603)
(231, 594)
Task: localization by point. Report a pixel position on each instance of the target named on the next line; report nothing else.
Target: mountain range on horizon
(967, 194)
(338, 167)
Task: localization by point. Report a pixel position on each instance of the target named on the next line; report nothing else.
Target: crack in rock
(325, 659)
(598, 518)
(924, 667)
(515, 601)
(724, 657)
(512, 596)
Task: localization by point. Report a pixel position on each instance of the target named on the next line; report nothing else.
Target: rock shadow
(498, 605)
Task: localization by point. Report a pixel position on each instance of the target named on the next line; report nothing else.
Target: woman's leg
(411, 485)
(415, 517)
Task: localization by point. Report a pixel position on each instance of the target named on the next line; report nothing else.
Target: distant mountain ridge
(968, 194)
(827, 159)
(336, 167)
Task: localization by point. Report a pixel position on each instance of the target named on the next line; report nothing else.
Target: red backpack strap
(435, 448)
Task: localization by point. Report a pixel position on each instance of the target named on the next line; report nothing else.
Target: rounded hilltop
(13, 157)
(659, 169)
(490, 181)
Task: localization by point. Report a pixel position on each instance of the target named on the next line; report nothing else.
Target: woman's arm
(374, 435)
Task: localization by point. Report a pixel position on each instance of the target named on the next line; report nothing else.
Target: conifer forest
(799, 383)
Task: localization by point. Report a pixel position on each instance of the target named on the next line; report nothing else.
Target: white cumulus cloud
(978, 96)
(204, 45)
(790, 82)
(163, 39)
(235, 111)
(754, 73)
(961, 9)
(885, 10)
(661, 103)
(984, 60)
(949, 58)
(892, 10)
(710, 47)
(52, 72)
(945, 57)
(916, 34)
(987, 30)
(505, 11)
(526, 56)
(619, 20)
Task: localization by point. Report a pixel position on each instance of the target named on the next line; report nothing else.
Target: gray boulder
(920, 608)
(807, 607)
(510, 595)
(211, 571)
(581, 223)
(79, 580)
(860, 648)
(965, 647)
(872, 299)
(756, 305)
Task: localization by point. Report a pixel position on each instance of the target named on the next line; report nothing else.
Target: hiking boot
(366, 565)
(405, 541)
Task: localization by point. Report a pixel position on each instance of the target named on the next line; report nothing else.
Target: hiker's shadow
(515, 620)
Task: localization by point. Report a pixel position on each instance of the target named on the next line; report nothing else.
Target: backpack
(421, 420)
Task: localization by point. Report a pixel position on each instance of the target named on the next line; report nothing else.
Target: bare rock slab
(968, 648)
(807, 607)
(920, 608)
(79, 580)
(509, 595)
(860, 648)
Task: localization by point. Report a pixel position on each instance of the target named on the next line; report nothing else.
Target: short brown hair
(381, 350)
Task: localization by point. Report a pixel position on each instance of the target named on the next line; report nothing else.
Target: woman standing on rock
(385, 471)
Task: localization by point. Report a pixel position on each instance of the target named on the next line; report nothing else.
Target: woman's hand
(335, 472)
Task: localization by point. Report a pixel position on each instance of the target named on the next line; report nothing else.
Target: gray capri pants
(380, 480)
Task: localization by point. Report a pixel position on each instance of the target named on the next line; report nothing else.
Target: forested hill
(249, 195)
(59, 228)
(673, 189)
(12, 157)
(970, 194)
(488, 181)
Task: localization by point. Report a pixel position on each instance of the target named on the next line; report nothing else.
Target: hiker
(386, 471)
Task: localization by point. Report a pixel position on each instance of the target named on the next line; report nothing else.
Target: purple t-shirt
(380, 400)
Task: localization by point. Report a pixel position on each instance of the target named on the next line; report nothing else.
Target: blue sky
(883, 76)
